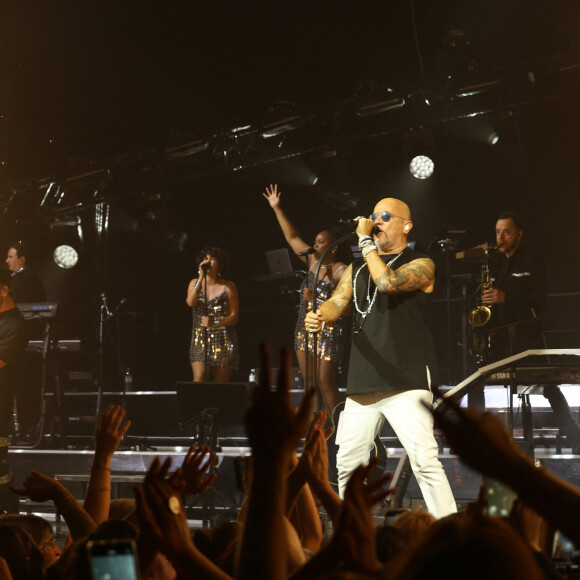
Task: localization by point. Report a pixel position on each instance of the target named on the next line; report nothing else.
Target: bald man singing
(392, 354)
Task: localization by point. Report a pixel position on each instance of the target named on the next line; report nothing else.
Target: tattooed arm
(335, 306)
(416, 275)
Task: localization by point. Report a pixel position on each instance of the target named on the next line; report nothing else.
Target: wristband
(367, 250)
(363, 240)
(99, 487)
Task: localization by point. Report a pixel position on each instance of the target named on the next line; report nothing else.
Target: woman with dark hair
(19, 552)
(40, 531)
(330, 341)
(214, 301)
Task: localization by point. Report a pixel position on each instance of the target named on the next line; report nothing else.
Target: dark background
(95, 96)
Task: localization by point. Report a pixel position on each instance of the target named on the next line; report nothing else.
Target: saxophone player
(518, 296)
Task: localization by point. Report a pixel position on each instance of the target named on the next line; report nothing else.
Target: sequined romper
(331, 338)
(222, 343)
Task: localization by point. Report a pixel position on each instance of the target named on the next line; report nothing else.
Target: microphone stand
(315, 334)
(206, 312)
(104, 315)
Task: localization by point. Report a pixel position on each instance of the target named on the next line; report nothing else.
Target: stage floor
(129, 466)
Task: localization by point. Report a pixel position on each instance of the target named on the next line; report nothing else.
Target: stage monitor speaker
(152, 414)
(227, 402)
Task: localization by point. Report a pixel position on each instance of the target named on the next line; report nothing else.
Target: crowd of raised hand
(278, 534)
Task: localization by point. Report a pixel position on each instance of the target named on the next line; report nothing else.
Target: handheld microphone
(350, 222)
(306, 252)
(354, 223)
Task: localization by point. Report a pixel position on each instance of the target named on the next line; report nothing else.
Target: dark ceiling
(85, 81)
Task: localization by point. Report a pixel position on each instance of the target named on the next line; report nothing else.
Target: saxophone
(481, 314)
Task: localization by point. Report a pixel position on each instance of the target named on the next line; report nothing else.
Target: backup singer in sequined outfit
(330, 344)
(214, 349)
(331, 341)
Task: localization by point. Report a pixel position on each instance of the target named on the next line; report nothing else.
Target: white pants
(412, 421)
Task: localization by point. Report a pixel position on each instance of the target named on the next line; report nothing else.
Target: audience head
(390, 541)
(41, 532)
(413, 524)
(19, 550)
(468, 545)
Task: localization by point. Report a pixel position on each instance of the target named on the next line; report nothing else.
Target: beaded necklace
(370, 301)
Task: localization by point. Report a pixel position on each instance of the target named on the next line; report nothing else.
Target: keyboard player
(12, 344)
(27, 287)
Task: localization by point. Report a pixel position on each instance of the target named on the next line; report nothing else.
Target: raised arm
(290, 232)
(194, 287)
(110, 430)
(40, 487)
(483, 443)
(274, 431)
(163, 525)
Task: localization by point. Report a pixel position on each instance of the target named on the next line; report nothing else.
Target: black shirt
(12, 337)
(393, 348)
(523, 279)
(12, 343)
(27, 287)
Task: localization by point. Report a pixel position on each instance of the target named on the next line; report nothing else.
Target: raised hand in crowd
(479, 438)
(297, 476)
(301, 508)
(483, 443)
(352, 547)
(274, 430)
(40, 487)
(355, 525)
(163, 525)
(314, 466)
(197, 470)
(110, 430)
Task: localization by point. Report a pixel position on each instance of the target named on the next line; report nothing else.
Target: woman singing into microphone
(331, 339)
(214, 301)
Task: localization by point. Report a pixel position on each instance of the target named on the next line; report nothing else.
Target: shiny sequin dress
(331, 338)
(222, 343)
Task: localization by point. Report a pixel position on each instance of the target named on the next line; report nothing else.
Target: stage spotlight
(421, 166)
(419, 151)
(493, 138)
(65, 256)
